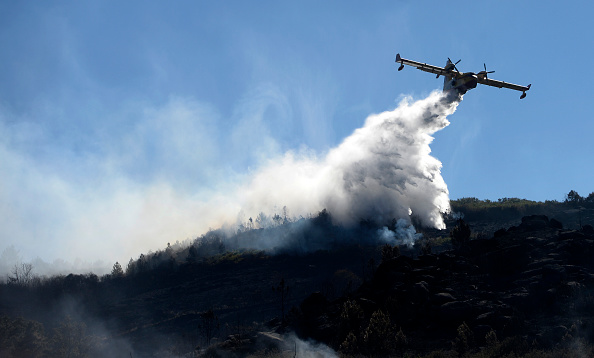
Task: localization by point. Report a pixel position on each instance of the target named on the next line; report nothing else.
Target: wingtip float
(460, 82)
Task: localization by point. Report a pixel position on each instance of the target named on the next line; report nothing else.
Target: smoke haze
(120, 202)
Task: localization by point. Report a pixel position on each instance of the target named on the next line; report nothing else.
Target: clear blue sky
(107, 108)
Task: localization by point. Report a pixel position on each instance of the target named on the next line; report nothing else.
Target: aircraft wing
(423, 66)
(500, 84)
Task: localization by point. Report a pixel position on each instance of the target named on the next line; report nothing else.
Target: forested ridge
(181, 300)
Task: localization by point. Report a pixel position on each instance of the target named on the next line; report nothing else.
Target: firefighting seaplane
(460, 82)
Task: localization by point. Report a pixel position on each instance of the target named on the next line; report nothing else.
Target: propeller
(456, 68)
(485, 71)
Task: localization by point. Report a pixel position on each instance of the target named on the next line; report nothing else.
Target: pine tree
(131, 268)
(117, 270)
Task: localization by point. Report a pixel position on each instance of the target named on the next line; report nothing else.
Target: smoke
(404, 234)
(457, 215)
(307, 349)
(382, 171)
(129, 191)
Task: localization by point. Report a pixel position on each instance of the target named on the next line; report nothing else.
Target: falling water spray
(382, 171)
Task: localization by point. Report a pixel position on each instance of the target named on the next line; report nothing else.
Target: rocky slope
(534, 281)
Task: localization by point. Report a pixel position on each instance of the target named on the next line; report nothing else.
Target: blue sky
(115, 114)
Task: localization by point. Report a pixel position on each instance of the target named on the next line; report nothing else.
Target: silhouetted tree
(350, 345)
(131, 268)
(262, 220)
(491, 339)
(389, 252)
(464, 341)
(209, 325)
(117, 270)
(192, 254)
(401, 342)
(141, 263)
(283, 291)
(277, 220)
(426, 247)
(21, 274)
(379, 337)
(351, 318)
(323, 219)
(460, 234)
(573, 197)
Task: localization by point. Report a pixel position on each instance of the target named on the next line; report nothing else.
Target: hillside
(529, 288)
(517, 282)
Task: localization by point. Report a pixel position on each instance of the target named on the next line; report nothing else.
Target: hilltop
(513, 276)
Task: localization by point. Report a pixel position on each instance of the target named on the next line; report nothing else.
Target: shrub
(350, 344)
(426, 247)
(389, 252)
(351, 318)
(21, 338)
(460, 234)
(465, 339)
(491, 339)
(69, 339)
(378, 336)
(401, 341)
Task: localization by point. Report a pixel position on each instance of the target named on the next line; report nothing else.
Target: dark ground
(533, 281)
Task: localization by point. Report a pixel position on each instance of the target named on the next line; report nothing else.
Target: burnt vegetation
(511, 277)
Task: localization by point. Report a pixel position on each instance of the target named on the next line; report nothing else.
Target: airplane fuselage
(457, 81)
(461, 83)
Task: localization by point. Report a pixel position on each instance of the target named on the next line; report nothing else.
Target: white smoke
(457, 215)
(94, 207)
(308, 349)
(382, 171)
(403, 234)
(289, 345)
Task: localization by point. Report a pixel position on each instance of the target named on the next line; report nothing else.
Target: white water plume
(382, 171)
